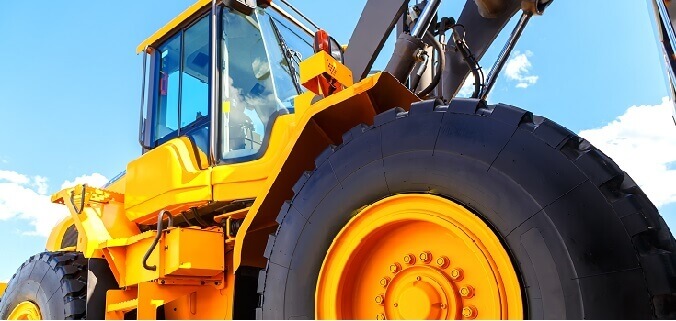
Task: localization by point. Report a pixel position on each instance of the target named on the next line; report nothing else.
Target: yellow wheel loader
(282, 178)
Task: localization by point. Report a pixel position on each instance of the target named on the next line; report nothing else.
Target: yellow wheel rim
(417, 256)
(25, 310)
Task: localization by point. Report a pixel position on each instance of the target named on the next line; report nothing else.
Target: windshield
(260, 56)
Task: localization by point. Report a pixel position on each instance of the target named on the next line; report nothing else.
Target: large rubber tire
(585, 241)
(55, 281)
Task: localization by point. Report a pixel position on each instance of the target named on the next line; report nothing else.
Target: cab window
(182, 87)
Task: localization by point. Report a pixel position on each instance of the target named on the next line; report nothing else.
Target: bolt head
(426, 256)
(457, 274)
(380, 299)
(417, 278)
(467, 292)
(443, 306)
(443, 262)
(385, 281)
(409, 259)
(396, 267)
(469, 312)
(380, 316)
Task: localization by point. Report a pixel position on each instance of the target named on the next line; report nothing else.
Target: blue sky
(70, 90)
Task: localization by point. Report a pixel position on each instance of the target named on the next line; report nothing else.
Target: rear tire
(54, 281)
(584, 239)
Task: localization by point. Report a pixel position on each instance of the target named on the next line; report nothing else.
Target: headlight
(327, 43)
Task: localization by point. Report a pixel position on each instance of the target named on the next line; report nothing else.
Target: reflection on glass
(166, 114)
(257, 82)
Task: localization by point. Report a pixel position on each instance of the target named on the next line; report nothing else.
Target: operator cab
(256, 78)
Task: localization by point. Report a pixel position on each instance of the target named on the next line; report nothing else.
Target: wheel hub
(420, 292)
(25, 310)
(417, 257)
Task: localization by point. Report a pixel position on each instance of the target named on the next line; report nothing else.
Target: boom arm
(482, 20)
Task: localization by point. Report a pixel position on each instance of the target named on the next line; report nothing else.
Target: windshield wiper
(288, 56)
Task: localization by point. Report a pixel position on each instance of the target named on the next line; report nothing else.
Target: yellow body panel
(170, 177)
(187, 255)
(181, 252)
(117, 186)
(3, 287)
(58, 232)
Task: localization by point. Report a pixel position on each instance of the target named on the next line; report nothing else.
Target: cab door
(174, 174)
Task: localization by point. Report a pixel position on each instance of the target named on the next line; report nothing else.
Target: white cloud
(643, 143)
(13, 177)
(95, 180)
(467, 88)
(41, 183)
(518, 69)
(24, 198)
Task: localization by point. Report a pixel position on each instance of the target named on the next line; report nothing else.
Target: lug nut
(443, 306)
(469, 312)
(426, 257)
(396, 267)
(385, 281)
(417, 278)
(380, 299)
(457, 274)
(380, 316)
(467, 292)
(409, 259)
(443, 262)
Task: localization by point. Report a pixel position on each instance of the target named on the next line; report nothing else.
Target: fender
(325, 121)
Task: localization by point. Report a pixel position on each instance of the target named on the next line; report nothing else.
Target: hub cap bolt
(443, 262)
(469, 312)
(396, 267)
(457, 274)
(417, 278)
(409, 259)
(380, 299)
(443, 306)
(380, 317)
(385, 281)
(426, 256)
(467, 292)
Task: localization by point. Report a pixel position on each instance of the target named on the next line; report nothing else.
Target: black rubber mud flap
(100, 279)
(585, 240)
(55, 281)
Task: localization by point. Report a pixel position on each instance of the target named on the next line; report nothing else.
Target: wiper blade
(288, 56)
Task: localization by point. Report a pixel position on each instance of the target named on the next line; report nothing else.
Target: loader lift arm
(482, 20)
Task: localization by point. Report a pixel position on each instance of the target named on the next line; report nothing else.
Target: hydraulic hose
(170, 223)
(470, 60)
(440, 66)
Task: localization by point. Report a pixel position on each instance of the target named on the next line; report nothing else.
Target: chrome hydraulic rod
(425, 19)
(504, 55)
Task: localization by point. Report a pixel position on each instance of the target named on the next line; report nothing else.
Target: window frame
(154, 81)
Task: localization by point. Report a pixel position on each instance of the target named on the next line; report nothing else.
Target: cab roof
(193, 9)
(172, 24)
